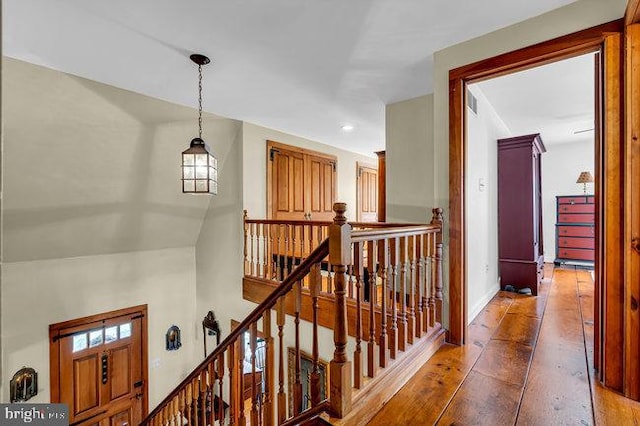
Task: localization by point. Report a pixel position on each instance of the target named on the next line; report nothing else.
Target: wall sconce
(199, 166)
(585, 178)
(210, 326)
(173, 340)
(24, 385)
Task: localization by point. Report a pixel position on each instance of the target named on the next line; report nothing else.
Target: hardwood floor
(529, 361)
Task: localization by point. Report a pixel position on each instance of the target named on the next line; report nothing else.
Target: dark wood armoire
(520, 248)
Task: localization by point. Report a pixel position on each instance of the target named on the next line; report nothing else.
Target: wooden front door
(301, 184)
(98, 368)
(367, 194)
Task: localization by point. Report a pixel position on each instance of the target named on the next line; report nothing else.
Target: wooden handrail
(327, 223)
(381, 234)
(309, 414)
(297, 274)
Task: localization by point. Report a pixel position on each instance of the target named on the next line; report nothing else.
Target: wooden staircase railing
(384, 287)
(272, 248)
(382, 262)
(194, 399)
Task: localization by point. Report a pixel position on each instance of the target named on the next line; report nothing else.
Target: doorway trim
(54, 348)
(578, 43)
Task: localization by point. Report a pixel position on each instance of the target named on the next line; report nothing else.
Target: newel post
(340, 367)
(438, 220)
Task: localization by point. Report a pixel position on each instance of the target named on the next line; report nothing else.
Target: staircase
(377, 287)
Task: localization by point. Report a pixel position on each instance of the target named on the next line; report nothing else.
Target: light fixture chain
(200, 101)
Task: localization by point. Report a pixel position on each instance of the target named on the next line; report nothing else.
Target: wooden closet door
(288, 187)
(322, 187)
(301, 184)
(367, 194)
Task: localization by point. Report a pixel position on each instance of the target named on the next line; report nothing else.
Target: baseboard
(480, 304)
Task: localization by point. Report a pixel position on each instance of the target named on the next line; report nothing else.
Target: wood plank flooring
(529, 361)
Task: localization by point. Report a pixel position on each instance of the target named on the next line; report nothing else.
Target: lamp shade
(199, 169)
(585, 177)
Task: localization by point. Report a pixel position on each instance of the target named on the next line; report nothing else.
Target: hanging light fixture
(199, 166)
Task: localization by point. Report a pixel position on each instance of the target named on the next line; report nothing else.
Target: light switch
(481, 184)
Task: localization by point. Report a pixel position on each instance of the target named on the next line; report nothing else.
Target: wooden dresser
(575, 230)
(520, 248)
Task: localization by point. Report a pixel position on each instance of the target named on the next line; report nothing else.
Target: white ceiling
(302, 67)
(555, 100)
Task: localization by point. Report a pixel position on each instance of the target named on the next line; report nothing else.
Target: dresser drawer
(577, 254)
(572, 200)
(576, 231)
(576, 242)
(576, 208)
(576, 217)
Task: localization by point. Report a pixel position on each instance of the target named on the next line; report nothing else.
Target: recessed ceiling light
(347, 127)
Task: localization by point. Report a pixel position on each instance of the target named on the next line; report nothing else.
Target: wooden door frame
(54, 348)
(360, 164)
(581, 42)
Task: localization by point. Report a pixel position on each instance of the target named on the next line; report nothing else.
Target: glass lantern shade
(199, 169)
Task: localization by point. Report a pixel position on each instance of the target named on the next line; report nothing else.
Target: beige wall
(39, 293)
(91, 169)
(481, 201)
(574, 17)
(409, 145)
(94, 217)
(219, 250)
(255, 168)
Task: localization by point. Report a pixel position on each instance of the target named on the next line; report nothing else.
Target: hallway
(528, 362)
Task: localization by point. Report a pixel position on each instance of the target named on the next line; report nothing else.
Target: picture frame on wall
(306, 368)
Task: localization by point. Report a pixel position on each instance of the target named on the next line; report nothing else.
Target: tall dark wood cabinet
(520, 248)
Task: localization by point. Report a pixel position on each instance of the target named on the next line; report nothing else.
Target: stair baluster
(357, 355)
(372, 249)
(403, 323)
(282, 397)
(315, 281)
(393, 299)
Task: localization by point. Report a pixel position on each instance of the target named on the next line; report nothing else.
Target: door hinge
(272, 154)
(334, 166)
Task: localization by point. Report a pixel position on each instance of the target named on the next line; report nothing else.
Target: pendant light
(199, 166)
